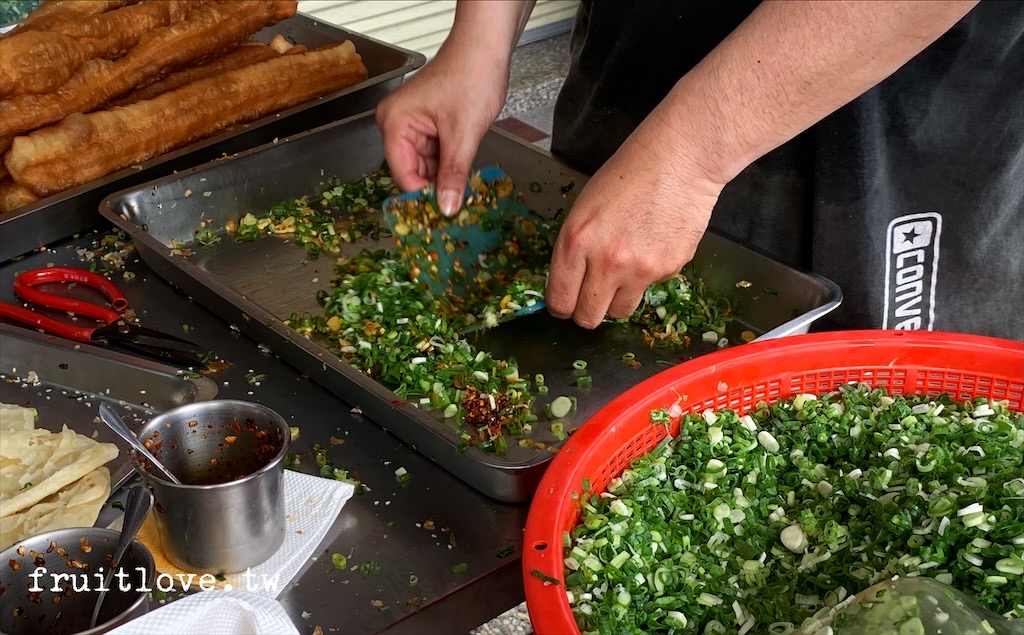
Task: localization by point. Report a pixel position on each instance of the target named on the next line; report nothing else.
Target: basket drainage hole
(540, 546)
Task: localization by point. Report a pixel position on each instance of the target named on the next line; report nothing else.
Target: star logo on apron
(911, 270)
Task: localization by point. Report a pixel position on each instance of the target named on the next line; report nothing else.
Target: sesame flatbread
(14, 417)
(77, 505)
(35, 464)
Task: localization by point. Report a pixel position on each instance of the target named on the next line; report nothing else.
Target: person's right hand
(433, 124)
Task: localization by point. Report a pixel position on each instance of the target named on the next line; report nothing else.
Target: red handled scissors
(114, 329)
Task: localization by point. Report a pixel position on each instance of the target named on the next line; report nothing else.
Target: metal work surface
(422, 529)
(66, 382)
(73, 210)
(257, 285)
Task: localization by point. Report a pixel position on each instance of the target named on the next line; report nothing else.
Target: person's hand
(636, 222)
(433, 124)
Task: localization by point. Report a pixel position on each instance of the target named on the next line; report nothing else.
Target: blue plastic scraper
(468, 254)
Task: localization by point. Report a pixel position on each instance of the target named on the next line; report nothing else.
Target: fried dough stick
(51, 12)
(85, 147)
(208, 29)
(13, 196)
(248, 53)
(41, 61)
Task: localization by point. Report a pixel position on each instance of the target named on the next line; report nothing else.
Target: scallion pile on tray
(765, 522)
(391, 328)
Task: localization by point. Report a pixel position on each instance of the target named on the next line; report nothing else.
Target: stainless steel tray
(256, 285)
(66, 382)
(73, 210)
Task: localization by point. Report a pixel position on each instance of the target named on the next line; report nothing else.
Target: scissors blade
(154, 343)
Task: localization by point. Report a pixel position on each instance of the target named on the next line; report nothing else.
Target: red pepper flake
(13, 564)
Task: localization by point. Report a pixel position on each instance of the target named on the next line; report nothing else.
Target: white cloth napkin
(214, 613)
(311, 505)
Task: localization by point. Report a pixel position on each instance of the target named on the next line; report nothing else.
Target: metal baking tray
(66, 381)
(256, 285)
(71, 211)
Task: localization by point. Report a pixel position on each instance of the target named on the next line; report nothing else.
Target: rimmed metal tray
(66, 381)
(256, 285)
(71, 211)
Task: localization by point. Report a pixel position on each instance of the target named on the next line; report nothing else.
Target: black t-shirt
(911, 197)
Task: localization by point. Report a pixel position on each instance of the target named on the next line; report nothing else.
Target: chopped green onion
(815, 498)
(561, 406)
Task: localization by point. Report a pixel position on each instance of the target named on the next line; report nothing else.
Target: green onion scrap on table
(382, 322)
(767, 522)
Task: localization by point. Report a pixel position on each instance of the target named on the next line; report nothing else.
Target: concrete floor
(537, 73)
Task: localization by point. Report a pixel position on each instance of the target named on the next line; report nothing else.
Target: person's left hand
(637, 221)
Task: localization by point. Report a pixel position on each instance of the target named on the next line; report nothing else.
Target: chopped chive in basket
(761, 522)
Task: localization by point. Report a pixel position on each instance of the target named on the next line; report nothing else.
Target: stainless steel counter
(389, 524)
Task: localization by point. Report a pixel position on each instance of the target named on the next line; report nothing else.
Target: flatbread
(13, 417)
(77, 505)
(35, 464)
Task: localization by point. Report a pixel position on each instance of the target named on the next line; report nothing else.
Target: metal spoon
(110, 417)
(137, 505)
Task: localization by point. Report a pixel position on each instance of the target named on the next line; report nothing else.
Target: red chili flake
(13, 564)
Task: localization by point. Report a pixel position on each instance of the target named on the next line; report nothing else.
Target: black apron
(911, 197)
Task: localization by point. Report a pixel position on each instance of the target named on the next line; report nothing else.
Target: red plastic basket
(904, 362)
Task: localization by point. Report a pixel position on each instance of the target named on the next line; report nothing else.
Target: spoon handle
(138, 502)
(114, 421)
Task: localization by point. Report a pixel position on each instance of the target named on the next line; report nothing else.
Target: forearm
(488, 29)
(788, 66)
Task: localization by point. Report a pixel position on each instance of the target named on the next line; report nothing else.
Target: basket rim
(552, 508)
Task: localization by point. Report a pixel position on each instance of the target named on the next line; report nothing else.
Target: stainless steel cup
(228, 513)
(36, 597)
